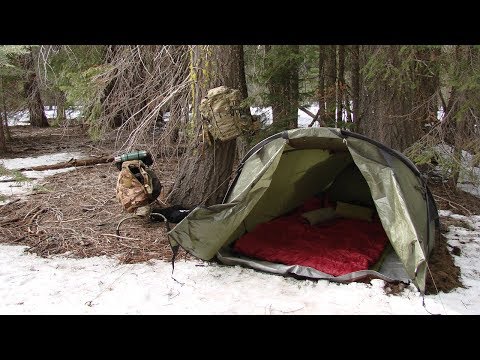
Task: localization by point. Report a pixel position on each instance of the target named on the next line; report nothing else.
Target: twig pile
(76, 214)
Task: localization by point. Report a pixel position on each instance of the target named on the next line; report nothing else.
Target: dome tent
(281, 172)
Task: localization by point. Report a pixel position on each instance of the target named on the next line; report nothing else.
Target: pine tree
(205, 171)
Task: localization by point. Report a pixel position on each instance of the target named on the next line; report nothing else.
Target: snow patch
(23, 117)
(303, 119)
(16, 188)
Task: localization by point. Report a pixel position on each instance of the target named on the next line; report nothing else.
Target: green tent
(282, 171)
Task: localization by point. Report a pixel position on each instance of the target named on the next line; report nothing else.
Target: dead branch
(11, 203)
(33, 218)
(306, 111)
(69, 163)
(452, 203)
(14, 180)
(120, 237)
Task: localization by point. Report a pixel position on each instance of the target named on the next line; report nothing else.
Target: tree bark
(356, 86)
(464, 108)
(330, 84)
(391, 99)
(178, 113)
(32, 93)
(283, 86)
(321, 84)
(428, 85)
(60, 102)
(6, 128)
(242, 143)
(3, 142)
(272, 85)
(459, 140)
(205, 172)
(340, 84)
(174, 123)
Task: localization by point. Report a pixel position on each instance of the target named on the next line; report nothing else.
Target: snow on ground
(469, 177)
(470, 188)
(23, 117)
(23, 187)
(465, 301)
(18, 118)
(69, 113)
(61, 285)
(33, 285)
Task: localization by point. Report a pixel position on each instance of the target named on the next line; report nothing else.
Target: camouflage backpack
(136, 185)
(224, 117)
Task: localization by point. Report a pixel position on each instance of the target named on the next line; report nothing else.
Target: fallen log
(69, 163)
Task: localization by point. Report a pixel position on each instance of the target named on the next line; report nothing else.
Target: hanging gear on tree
(224, 115)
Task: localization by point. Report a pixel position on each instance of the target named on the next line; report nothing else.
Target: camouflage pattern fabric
(224, 117)
(134, 185)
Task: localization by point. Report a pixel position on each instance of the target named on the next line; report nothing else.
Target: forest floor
(76, 213)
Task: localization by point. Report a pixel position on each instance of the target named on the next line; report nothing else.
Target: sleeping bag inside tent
(319, 203)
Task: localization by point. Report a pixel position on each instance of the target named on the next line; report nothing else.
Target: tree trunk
(240, 65)
(461, 125)
(3, 142)
(242, 143)
(356, 86)
(178, 113)
(293, 92)
(177, 118)
(428, 85)
(32, 93)
(348, 109)
(273, 86)
(321, 84)
(205, 173)
(340, 84)
(330, 84)
(391, 99)
(283, 86)
(60, 102)
(6, 129)
(465, 110)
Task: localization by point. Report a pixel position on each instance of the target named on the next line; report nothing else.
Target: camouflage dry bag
(136, 185)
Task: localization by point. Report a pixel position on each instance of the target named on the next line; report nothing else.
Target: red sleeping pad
(338, 247)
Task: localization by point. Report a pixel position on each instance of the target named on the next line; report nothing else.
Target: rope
(174, 248)
(438, 293)
(90, 302)
(117, 231)
(215, 190)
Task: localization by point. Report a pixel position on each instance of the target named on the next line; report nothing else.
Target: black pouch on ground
(174, 214)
